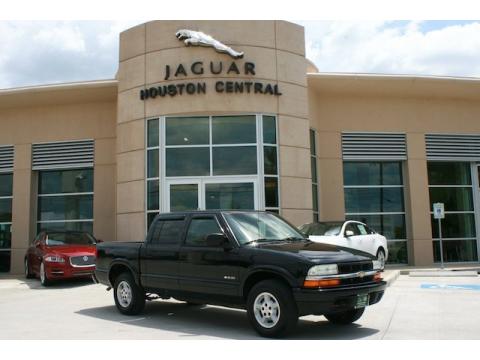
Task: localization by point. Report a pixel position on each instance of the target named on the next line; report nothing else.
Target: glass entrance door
(238, 194)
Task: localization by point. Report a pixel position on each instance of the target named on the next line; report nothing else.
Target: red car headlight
(54, 259)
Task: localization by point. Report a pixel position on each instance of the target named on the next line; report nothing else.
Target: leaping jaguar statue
(198, 38)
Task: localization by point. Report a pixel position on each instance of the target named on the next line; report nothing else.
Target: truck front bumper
(324, 301)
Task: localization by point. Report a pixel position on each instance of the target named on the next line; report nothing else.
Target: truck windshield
(261, 227)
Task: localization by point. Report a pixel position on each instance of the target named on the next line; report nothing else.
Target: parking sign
(438, 211)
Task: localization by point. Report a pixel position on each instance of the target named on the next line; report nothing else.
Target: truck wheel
(345, 317)
(43, 276)
(129, 297)
(271, 309)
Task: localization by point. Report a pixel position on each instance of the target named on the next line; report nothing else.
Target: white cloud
(40, 52)
(382, 47)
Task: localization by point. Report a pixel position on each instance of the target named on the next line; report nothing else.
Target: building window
(211, 162)
(451, 183)
(65, 200)
(374, 194)
(313, 166)
(6, 196)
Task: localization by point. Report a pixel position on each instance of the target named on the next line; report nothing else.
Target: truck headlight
(321, 270)
(54, 258)
(377, 265)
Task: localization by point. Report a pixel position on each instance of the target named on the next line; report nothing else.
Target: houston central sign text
(197, 68)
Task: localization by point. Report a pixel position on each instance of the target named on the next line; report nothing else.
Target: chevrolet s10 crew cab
(243, 259)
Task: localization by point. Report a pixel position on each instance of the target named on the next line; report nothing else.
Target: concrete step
(442, 273)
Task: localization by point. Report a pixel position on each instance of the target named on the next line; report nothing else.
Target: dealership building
(231, 115)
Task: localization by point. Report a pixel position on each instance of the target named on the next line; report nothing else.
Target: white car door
(352, 236)
(368, 241)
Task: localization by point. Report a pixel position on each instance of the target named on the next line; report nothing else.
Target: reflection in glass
(234, 160)
(150, 217)
(187, 130)
(6, 181)
(456, 250)
(183, 197)
(234, 129)
(315, 197)
(188, 161)
(391, 226)
(313, 147)
(397, 252)
(313, 168)
(5, 261)
(86, 226)
(271, 192)
(269, 130)
(65, 207)
(449, 173)
(358, 200)
(65, 181)
(270, 160)
(152, 133)
(5, 210)
(454, 198)
(153, 196)
(455, 226)
(232, 196)
(372, 173)
(5, 236)
(152, 163)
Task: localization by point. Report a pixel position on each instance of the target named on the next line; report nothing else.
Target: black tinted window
(199, 229)
(168, 231)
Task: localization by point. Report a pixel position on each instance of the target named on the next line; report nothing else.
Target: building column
(330, 176)
(104, 222)
(418, 202)
(23, 209)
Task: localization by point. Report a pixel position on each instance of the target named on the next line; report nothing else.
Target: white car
(349, 234)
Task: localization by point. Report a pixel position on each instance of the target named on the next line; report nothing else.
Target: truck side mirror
(217, 240)
(349, 233)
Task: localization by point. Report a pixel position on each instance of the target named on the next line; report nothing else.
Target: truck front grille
(354, 267)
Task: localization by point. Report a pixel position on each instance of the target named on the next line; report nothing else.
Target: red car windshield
(69, 238)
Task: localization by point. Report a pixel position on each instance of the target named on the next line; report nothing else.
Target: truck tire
(345, 317)
(271, 309)
(129, 297)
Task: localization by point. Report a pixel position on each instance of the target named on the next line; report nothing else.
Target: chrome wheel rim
(124, 294)
(42, 273)
(381, 258)
(267, 310)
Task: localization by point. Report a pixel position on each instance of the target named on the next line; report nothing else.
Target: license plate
(362, 301)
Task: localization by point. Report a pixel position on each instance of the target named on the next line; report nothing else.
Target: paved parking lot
(413, 308)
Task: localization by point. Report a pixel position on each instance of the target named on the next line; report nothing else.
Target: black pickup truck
(244, 259)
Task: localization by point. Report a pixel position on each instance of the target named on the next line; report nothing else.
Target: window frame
(71, 194)
(8, 223)
(403, 186)
(260, 176)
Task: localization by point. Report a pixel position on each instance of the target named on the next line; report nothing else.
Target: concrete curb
(389, 276)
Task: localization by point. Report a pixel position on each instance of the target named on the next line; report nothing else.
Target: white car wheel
(381, 257)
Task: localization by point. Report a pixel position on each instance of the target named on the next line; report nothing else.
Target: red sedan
(60, 255)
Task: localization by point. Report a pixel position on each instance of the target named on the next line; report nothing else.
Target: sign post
(439, 213)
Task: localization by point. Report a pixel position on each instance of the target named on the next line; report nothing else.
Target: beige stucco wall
(24, 125)
(278, 51)
(335, 112)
